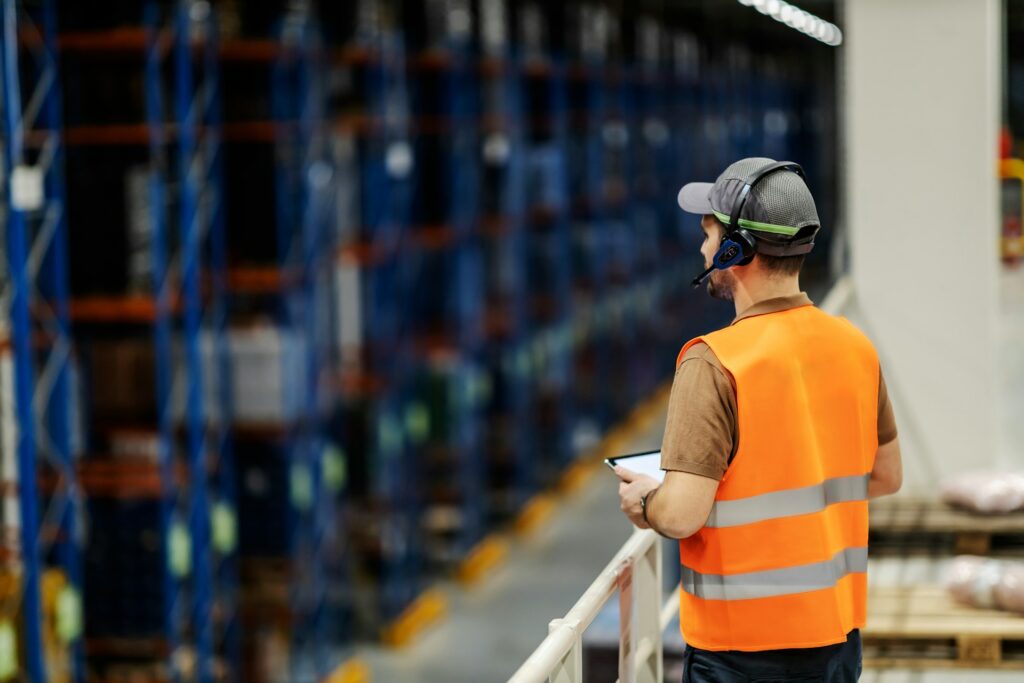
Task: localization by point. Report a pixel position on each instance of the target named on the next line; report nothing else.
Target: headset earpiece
(736, 249)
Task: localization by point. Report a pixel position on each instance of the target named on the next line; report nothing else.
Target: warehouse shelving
(512, 476)
(35, 227)
(508, 279)
(447, 317)
(154, 484)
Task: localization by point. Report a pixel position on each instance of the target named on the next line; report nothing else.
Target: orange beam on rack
(262, 431)
(360, 383)
(356, 54)
(495, 226)
(260, 280)
(434, 236)
(253, 131)
(354, 124)
(136, 308)
(494, 66)
(436, 345)
(142, 648)
(539, 68)
(432, 60)
(365, 254)
(109, 134)
(122, 39)
(249, 50)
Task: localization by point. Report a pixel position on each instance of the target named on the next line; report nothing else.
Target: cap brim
(696, 198)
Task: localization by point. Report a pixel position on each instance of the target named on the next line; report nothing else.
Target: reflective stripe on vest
(766, 584)
(803, 501)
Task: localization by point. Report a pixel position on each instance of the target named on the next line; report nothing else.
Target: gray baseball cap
(779, 205)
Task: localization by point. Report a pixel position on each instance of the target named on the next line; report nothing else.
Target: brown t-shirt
(702, 432)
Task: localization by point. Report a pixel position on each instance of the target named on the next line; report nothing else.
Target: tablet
(648, 463)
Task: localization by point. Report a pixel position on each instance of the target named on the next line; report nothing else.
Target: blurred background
(314, 313)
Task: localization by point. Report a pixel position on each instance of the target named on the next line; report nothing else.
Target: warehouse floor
(492, 629)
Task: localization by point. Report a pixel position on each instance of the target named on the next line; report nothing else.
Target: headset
(738, 244)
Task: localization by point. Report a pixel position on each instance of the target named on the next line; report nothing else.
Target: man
(779, 429)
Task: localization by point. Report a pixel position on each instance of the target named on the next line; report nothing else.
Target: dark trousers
(839, 663)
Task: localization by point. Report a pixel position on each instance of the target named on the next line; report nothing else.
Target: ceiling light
(798, 19)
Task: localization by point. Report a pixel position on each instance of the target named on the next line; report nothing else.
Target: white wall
(922, 104)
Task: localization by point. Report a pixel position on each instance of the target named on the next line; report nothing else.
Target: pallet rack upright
(504, 223)
(35, 226)
(207, 404)
(550, 268)
(169, 41)
(449, 323)
(304, 200)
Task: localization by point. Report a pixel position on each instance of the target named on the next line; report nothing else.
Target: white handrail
(634, 571)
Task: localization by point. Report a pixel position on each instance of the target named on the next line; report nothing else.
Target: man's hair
(784, 265)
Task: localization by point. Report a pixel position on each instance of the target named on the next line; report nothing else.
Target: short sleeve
(700, 429)
(886, 417)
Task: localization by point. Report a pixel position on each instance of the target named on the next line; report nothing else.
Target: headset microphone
(699, 280)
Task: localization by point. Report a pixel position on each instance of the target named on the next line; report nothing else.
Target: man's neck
(751, 293)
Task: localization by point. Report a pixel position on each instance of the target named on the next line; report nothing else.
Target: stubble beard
(720, 285)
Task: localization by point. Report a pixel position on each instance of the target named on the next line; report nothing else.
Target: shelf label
(8, 651)
(225, 528)
(27, 188)
(179, 550)
(301, 486)
(68, 614)
(417, 422)
(335, 469)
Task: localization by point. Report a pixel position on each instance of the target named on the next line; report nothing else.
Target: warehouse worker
(779, 430)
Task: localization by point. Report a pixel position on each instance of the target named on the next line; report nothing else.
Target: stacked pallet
(921, 625)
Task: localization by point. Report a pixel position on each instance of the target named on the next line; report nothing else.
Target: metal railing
(635, 574)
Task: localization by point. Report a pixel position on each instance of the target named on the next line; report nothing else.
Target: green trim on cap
(760, 227)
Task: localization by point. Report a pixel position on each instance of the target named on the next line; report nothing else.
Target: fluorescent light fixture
(798, 19)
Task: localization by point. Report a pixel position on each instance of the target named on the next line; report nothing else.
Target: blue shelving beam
(387, 175)
(224, 520)
(555, 372)
(37, 265)
(174, 529)
(455, 89)
(504, 149)
(192, 172)
(624, 233)
(305, 201)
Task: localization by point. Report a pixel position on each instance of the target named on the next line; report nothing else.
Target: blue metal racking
(305, 244)
(448, 323)
(504, 222)
(377, 365)
(550, 267)
(37, 265)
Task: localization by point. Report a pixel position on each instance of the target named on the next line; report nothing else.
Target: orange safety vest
(782, 560)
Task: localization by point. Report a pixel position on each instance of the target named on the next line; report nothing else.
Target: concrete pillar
(921, 103)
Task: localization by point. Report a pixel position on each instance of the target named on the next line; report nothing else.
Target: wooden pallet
(923, 627)
(908, 523)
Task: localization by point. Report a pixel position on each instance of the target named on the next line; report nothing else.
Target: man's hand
(634, 486)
